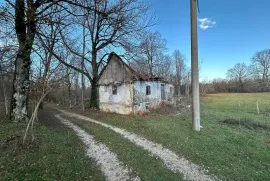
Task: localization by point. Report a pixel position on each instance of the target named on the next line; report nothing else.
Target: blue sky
(241, 28)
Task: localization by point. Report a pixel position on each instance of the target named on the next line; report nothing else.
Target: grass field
(229, 151)
(240, 105)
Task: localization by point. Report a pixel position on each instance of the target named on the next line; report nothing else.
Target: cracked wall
(121, 103)
(143, 102)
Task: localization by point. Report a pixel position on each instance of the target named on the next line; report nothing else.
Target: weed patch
(247, 123)
(14, 145)
(165, 108)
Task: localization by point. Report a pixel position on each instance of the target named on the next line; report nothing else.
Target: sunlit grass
(231, 152)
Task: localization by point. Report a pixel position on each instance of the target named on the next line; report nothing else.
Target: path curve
(172, 161)
(107, 160)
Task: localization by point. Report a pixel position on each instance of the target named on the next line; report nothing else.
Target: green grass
(231, 152)
(228, 105)
(143, 164)
(228, 151)
(55, 155)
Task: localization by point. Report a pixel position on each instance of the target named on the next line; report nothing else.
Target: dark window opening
(148, 90)
(163, 92)
(114, 89)
(171, 90)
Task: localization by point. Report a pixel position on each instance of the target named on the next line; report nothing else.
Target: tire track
(171, 160)
(107, 160)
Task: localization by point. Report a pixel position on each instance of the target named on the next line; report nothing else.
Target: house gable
(115, 72)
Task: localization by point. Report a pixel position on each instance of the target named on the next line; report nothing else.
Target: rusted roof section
(136, 75)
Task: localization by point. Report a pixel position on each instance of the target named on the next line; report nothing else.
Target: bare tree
(68, 81)
(239, 73)
(27, 16)
(46, 75)
(76, 87)
(149, 50)
(113, 24)
(164, 66)
(7, 51)
(180, 69)
(4, 89)
(261, 66)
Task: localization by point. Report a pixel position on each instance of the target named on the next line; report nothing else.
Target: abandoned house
(124, 91)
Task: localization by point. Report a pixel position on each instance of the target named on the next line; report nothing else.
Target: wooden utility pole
(194, 67)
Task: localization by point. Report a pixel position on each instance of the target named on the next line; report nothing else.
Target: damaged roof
(137, 76)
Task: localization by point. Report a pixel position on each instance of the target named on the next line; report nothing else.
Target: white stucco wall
(120, 103)
(132, 97)
(141, 100)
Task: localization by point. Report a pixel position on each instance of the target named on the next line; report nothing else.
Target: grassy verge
(55, 155)
(144, 165)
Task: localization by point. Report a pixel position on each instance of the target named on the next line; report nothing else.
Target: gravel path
(171, 160)
(110, 165)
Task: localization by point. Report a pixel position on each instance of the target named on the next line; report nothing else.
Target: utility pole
(194, 67)
(82, 63)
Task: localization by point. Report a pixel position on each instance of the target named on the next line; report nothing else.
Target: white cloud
(206, 23)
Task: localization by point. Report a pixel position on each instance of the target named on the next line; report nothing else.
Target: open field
(228, 151)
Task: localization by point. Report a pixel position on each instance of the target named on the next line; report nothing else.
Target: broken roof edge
(137, 75)
(132, 82)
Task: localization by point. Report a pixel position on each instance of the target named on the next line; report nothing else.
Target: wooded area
(47, 45)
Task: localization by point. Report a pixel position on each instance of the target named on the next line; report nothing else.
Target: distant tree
(164, 66)
(180, 69)
(220, 85)
(8, 49)
(3, 82)
(262, 62)
(261, 67)
(239, 73)
(150, 49)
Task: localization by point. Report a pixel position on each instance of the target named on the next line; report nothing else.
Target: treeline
(244, 78)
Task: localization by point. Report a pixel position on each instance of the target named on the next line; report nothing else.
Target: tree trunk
(94, 82)
(69, 90)
(241, 85)
(25, 34)
(76, 87)
(151, 67)
(4, 94)
(83, 88)
(21, 85)
(94, 94)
